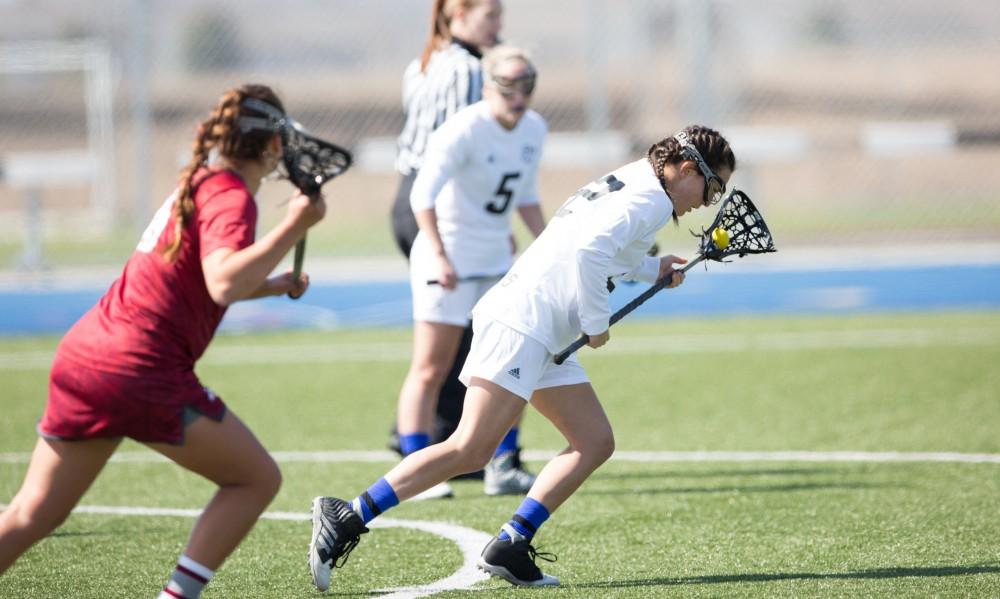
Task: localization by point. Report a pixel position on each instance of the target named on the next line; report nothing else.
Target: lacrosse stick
(307, 161)
(738, 230)
(470, 279)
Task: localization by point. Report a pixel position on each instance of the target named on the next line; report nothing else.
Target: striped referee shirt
(453, 80)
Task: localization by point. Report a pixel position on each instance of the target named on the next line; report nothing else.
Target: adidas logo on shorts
(515, 372)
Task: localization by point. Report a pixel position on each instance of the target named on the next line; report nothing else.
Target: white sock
(187, 581)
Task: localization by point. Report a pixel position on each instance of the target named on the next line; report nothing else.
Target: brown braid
(710, 144)
(440, 36)
(220, 131)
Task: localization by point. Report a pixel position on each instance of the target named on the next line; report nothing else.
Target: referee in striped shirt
(446, 78)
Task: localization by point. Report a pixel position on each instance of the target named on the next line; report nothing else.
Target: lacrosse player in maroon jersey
(555, 291)
(442, 81)
(126, 368)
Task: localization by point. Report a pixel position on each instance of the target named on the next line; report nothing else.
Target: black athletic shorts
(404, 225)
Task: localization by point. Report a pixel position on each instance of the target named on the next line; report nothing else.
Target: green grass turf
(764, 529)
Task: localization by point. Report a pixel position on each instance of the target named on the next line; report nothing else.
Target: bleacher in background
(853, 122)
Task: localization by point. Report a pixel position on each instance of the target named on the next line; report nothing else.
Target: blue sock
(377, 499)
(527, 519)
(509, 443)
(413, 442)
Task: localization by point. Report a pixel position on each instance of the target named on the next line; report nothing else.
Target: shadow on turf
(107, 532)
(57, 534)
(711, 473)
(927, 572)
(735, 489)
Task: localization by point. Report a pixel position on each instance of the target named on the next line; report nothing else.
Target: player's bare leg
(59, 474)
(488, 413)
(579, 416)
(229, 455)
(434, 349)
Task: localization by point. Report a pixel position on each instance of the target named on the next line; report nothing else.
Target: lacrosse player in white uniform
(555, 291)
(480, 167)
(445, 78)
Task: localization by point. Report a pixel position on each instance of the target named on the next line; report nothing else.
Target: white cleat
(438, 491)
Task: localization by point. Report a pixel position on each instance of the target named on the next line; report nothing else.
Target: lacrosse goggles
(508, 86)
(275, 120)
(715, 187)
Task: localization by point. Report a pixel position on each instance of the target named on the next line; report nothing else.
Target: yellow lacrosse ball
(721, 237)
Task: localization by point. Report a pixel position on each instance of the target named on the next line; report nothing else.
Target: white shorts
(434, 303)
(516, 362)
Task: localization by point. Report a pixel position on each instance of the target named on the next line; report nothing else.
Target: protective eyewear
(715, 187)
(507, 86)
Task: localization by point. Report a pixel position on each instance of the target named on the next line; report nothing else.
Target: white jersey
(558, 287)
(475, 174)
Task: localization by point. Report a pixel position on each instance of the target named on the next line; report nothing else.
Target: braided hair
(710, 144)
(221, 132)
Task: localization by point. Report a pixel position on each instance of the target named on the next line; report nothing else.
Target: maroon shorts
(88, 404)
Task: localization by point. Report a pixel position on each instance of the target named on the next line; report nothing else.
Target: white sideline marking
(470, 542)
(627, 345)
(542, 455)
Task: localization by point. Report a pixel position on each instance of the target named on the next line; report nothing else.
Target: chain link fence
(853, 122)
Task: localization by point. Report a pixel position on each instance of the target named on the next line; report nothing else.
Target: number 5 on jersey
(499, 206)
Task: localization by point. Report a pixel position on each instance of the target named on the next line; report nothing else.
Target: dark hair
(710, 144)
(220, 131)
(440, 37)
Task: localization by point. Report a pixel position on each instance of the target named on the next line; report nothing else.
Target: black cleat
(336, 531)
(514, 560)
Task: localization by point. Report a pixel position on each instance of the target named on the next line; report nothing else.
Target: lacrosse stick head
(739, 221)
(307, 161)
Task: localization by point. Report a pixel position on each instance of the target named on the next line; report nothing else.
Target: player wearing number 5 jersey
(477, 172)
(480, 167)
(445, 78)
(556, 290)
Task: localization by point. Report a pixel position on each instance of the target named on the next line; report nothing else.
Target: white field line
(470, 542)
(541, 455)
(225, 355)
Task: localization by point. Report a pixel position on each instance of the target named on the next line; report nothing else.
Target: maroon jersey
(157, 318)
(140, 342)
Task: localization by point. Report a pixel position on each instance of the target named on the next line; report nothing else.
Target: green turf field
(908, 383)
